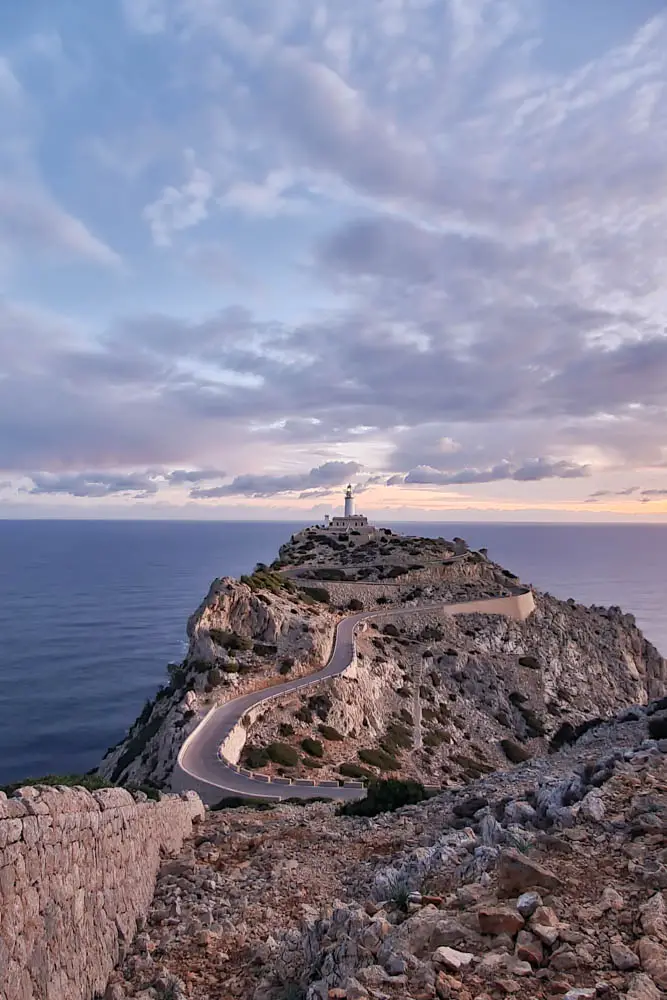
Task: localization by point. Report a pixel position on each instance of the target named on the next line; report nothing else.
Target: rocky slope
(245, 635)
(478, 894)
(441, 699)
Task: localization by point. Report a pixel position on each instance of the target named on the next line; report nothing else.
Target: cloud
(149, 17)
(538, 469)
(180, 208)
(327, 475)
(11, 90)
(194, 476)
(478, 279)
(614, 493)
(32, 222)
(94, 484)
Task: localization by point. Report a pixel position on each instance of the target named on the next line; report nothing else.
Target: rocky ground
(473, 693)
(544, 881)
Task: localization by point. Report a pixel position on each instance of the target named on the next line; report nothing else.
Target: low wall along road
(207, 762)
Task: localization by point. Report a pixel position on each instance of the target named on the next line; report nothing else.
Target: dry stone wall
(76, 871)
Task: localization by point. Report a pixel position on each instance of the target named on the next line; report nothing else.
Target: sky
(252, 250)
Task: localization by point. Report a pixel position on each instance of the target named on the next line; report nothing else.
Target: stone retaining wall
(76, 871)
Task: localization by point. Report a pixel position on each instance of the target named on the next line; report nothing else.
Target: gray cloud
(539, 468)
(94, 484)
(614, 493)
(329, 474)
(30, 220)
(194, 475)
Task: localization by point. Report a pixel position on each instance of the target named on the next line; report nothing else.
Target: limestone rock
(654, 960)
(622, 956)
(642, 987)
(527, 903)
(499, 920)
(517, 873)
(452, 959)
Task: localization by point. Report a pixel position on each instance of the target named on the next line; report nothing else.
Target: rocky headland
(513, 842)
(440, 699)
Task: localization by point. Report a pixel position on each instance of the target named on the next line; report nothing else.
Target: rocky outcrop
(240, 639)
(450, 698)
(445, 699)
(483, 891)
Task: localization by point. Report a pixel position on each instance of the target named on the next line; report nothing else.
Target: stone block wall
(76, 871)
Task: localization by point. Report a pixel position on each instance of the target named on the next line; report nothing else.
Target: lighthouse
(349, 501)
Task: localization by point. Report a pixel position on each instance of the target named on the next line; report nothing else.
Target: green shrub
(379, 758)
(329, 733)
(657, 727)
(355, 605)
(382, 600)
(320, 594)
(255, 758)
(397, 737)
(285, 729)
(312, 763)
(435, 738)
(214, 677)
(231, 667)
(313, 747)
(239, 802)
(281, 753)
(145, 713)
(321, 705)
(395, 572)
(355, 771)
(90, 781)
(286, 665)
(264, 649)
(391, 630)
(229, 640)
(406, 716)
(136, 746)
(304, 714)
(385, 796)
(200, 666)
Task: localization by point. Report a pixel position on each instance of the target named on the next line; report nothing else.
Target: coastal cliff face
(244, 636)
(437, 698)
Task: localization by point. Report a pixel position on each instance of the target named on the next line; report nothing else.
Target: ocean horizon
(91, 611)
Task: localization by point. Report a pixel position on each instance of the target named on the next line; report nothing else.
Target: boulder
(517, 873)
(642, 987)
(527, 903)
(622, 956)
(654, 961)
(499, 920)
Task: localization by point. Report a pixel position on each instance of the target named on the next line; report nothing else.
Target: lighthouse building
(350, 520)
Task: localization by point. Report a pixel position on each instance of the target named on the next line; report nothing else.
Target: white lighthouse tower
(349, 501)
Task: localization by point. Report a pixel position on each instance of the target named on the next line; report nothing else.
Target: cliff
(245, 636)
(433, 697)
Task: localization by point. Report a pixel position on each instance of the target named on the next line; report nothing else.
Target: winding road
(200, 766)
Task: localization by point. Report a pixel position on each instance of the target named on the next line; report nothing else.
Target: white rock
(452, 959)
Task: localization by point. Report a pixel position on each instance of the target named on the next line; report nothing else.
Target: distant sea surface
(92, 611)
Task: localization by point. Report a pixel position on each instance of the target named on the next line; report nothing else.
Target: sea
(91, 612)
